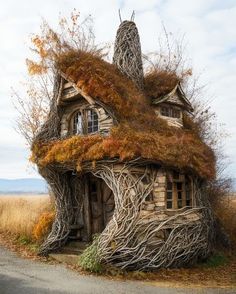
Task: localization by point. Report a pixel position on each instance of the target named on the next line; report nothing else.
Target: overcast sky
(209, 26)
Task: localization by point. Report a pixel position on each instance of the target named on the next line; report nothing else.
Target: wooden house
(124, 164)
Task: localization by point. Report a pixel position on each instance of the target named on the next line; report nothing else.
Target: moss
(140, 133)
(103, 81)
(181, 149)
(158, 83)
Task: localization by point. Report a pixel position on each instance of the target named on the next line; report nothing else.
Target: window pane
(169, 186)
(180, 204)
(77, 127)
(176, 113)
(165, 111)
(169, 195)
(92, 118)
(169, 204)
(179, 195)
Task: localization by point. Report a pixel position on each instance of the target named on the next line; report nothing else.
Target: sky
(208, 26)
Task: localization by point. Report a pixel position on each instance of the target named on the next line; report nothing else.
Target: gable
(72, 99)
(176, 97)
(69, 91)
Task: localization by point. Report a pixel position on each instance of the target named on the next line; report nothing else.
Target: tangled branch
(133, 241)
(127, 53)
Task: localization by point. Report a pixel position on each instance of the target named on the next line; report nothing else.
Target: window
(169, 195)
(85, 122)
(170, 111)
(179, 188)
(175, 113)
(165, 111)
(178, 191)
(92, 119)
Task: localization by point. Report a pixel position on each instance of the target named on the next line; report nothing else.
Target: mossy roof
(139, 133)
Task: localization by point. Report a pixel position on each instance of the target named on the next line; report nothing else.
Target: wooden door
(101, 204)
(95, 199)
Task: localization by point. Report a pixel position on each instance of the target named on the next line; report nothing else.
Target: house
(123, 161)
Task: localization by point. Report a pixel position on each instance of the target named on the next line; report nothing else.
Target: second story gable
(82, 114)
(172, 106)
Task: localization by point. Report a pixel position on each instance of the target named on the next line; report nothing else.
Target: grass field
(18, 214)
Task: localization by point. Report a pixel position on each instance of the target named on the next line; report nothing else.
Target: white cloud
(210, 31)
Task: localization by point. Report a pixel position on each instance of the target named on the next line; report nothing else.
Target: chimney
(127, 52)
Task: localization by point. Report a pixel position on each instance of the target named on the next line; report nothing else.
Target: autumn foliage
(43, 226)
(181, 149)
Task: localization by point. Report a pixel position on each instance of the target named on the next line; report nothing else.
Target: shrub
(43, 226)
(24, 240)
(216, 260)
(89, 260)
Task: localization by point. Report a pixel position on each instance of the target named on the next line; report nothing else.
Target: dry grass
(18, 214)
(225, 210)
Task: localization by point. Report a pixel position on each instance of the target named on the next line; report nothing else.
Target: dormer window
(85, 122)
(170, 112)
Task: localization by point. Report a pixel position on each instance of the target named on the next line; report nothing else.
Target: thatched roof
(139, 134)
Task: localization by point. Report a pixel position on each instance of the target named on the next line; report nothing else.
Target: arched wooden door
(101, 205)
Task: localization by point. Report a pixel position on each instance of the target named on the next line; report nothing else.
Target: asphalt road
(23, 276)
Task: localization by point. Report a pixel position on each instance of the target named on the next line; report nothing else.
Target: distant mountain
(30, 185)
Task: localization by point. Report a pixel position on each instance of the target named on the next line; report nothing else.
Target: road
(23, 276)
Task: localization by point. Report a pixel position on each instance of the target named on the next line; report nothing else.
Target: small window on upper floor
(85, 122)
(170, 112)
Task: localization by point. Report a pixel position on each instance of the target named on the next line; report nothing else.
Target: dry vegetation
(225, 211)
(19, 214)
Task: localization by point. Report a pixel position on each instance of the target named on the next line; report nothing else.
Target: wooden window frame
(84, 112)
(179, 188)
(170, 111)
